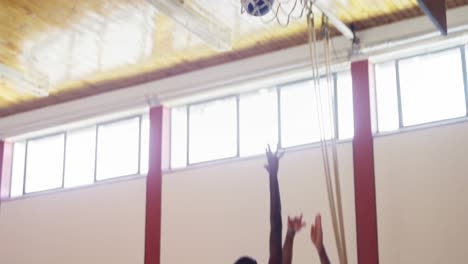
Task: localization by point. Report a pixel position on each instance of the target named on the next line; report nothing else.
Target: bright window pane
(145, 137)
(17, 176)
(258, 121)
(387, 96)
(345, 105)
(80, 157)
(178, 137)
(118, 146)
(432, 87)
(299, 116)
(466, 59)
(213, 130)
(44, 166)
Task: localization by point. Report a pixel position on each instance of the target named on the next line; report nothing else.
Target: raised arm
(316, 235)
(275, 208)
(295, 225)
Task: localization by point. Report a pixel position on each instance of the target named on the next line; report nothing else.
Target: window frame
(335, 135)
(26, 162)
(23, 169)
(116, 121)
(65, 137)
(91, 127)
(401, 127)
(237, 96)
(274, 89)
(188, 163)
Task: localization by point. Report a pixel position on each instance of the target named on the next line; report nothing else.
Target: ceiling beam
(437, 13)
(336, 22)
(23, 83)
(212, 32)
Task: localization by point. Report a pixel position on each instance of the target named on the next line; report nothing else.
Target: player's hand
(295, 224)
(316, 233)
(273, 160)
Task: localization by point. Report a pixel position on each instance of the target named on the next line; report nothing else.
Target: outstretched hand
(295, 224)
(316, 233)
(273, 160)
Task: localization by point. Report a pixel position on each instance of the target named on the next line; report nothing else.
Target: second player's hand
(316, 233)
(295, 224)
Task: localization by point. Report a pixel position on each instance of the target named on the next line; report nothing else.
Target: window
(17, 174)
(432, 87)
(178, 137)
(387, 96)
(344, 92)
(69, 159)
(299, 117)
(80, 157)
(118, 149)
(144, 151)
(213, 130)
(258, 116)
(44, 164)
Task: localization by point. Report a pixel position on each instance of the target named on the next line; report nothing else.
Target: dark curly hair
(246, 260)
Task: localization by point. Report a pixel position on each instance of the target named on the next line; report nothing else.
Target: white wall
(211, 214)
(422, 196)
(102, 224)
(216, 214)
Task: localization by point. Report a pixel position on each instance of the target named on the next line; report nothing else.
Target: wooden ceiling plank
(24, 21)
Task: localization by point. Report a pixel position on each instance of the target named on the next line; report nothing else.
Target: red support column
(6, 158)
(154, 188)
(364, 178)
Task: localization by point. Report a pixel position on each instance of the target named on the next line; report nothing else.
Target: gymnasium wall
(215, 213)
(422, 195)
(211, 214)
(95, 225)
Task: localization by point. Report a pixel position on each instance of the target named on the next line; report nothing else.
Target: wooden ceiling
(86, 47)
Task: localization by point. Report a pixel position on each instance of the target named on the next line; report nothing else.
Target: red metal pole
(364, 178)
(154, 189)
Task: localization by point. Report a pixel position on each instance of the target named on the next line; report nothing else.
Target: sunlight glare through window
(432, 87)
(178, 137)
(118, 146)
(145, 138)
(213, 130)
(80, 157)
(258, 121)
(299, 119)
(17, 174)
(44, 165)
(387, 96)
(345, 105)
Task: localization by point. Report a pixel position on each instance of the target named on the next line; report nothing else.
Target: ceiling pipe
(336, 22)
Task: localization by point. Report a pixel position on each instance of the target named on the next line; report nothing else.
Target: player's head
(246, 260)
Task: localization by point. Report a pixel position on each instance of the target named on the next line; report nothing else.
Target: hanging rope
(335, 204)
(332, 107)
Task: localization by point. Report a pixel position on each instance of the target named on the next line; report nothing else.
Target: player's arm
(275, 209)
(294, 225)
(316, 235)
